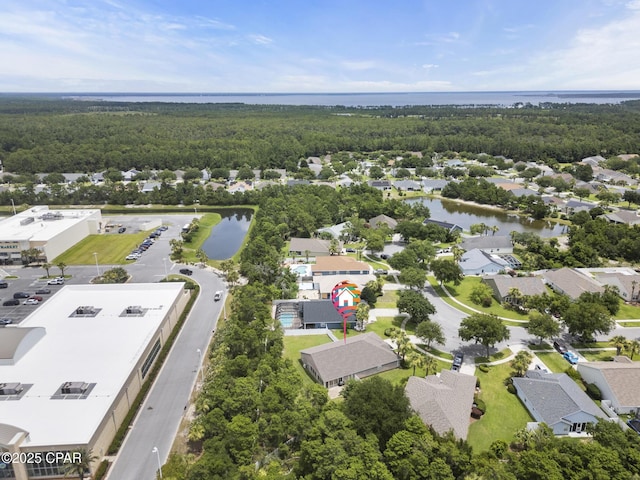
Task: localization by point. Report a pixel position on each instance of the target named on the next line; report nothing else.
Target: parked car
(384, 256)
(186, 271)
(163, 228)
(634, 423)
(43, 291)
(36, 297)
(122, 229)
(30, 301)
(56, 281)
(571, 357)
(132, 257)
(350, 250)
(4, 284)
(11, 302)
(21, 295)
(380, 271)
(457, 362)
(560, 346)
(5, 321)
(217, 296)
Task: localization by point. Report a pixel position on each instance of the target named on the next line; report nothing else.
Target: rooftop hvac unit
(27, 221)
(52, 216)
(134, 310)
(10, 388)
(74, 387)
(85, 310)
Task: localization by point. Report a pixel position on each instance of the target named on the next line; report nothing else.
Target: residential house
(73, 177)
(628, 285)
(443, 401)
(430, 185)
(571, 282)
(523, 192)
(379, 220)
(324, 283)
(129, 175)
(489, 243)
(322, 314)
(179, 174)
(313, 247)
(240, 187)
(477, 262)
(294, 182)
(150, 186)
(450, 227)
(594, 161)
(624, 217)
(339, 265)
(613, 176)
(333, 364)
(97, 177)
(575, 206)
(336, 231)
(407, 185)
(215, 185)
(502, 285)
(380, 184)
(206, 175)
(618, 381)
(555, 399)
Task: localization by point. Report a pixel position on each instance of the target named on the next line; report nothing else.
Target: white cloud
(358, 65)
(430, 65)
(260, 39)
(633, 5)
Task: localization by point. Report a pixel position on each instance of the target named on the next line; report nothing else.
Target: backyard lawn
(505, 413)
(293, 345)
(111, 249)
(399, 376)
(627, 312)
(387, 300)
(554, 361)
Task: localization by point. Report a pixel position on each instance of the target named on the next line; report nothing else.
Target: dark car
(5, 321)
(10, 303)
(457, 362)
(3, 284)
(561, 347)
(350, 250)
(186, 271)
(163, 228)
(122, 229)
(43, 291)
(21, 295)
(384, 256)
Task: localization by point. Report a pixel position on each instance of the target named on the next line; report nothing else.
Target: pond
(227, 236)
(466, 215)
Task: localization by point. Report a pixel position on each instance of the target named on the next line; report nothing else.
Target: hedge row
(146, 386)
(102, 470)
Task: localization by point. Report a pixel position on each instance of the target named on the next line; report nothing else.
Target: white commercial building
(51, 231)
(71, 370)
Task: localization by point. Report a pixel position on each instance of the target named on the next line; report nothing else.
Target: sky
(314, 46)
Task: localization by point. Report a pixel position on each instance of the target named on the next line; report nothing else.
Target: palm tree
(620, 342)
(634, 284)
(515, 296)
(47, 266)
(430, 365)
(494, 229)
(61, 266)
(521, 362)
(81, 464)
(457, 252)
(633, 347)
(416, 359)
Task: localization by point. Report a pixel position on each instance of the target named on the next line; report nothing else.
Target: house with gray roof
(594, 161)
(571, 282)
(382, 219)
(628, 285)
(443, 401)
(335, 231)
(489, 243)
(502, 285)
(555, 399)
(335, 363)
(477, 262)
(150, 186)
(433, 184)
(624, 217)
(523, 192)
(322, 314)
(380, 184)
(450, 227)
(314, 247)
(618, 381)
(407, 185)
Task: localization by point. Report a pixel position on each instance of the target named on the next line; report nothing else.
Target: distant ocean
(503, 99)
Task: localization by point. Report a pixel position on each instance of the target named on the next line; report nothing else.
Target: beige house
(618, 381)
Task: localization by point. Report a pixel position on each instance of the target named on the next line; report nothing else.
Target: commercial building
(71, 370)
(50, 231)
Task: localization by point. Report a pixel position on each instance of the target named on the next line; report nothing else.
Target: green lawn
(540, 346)
(293, 345)
(382, 323)
(505, 413)
(111, 249)
(554, 361)
(627, 312)
(495, 357)
(207, 222)
(387, 300)
(461, 293)
(399, 376)
(599, 356)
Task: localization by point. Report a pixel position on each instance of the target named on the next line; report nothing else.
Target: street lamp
(157, 452)
(164, 260)
(200, 364)
(95, 255)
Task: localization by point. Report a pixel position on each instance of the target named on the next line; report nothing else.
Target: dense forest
(39, 135)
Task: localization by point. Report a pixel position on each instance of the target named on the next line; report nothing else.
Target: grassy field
(505, 413)
(111, 249)
(387, 300)
(461, 293)
(495, 357)
(554, 361)
(207, 222)
(399, 376)
(293, 345)
(627, 312)
(599, 356)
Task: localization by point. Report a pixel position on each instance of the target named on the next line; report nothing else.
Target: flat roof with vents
(64, 384)
(39, 224)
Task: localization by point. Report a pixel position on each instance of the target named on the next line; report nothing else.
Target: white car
(218, 295)
(30, 301)
(56, 281)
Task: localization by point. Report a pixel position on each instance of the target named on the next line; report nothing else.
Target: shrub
(499, 448)
(480, 405)
(511, 388)
(593, 391)
(387, 332)
(483, 368)
(476, 413)
(573, 373)
(101, 471)
(477, 382)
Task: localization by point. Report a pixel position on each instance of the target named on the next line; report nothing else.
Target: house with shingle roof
(571, 282)
(502, 285)
(407, 185)
(380, 184)
(450, 227)
(322, 314)
(555, 399)
(618, 381)
(443, 401)
(314, 246)
(477, 262)
(624, 217)
(379, 220)
(628, 285)
(489, 243)
(360, 356)
(339, 265)
(433, 184)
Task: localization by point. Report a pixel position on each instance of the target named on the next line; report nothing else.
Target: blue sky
(318, 46)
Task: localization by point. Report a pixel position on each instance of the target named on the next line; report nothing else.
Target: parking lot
(29, 281)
